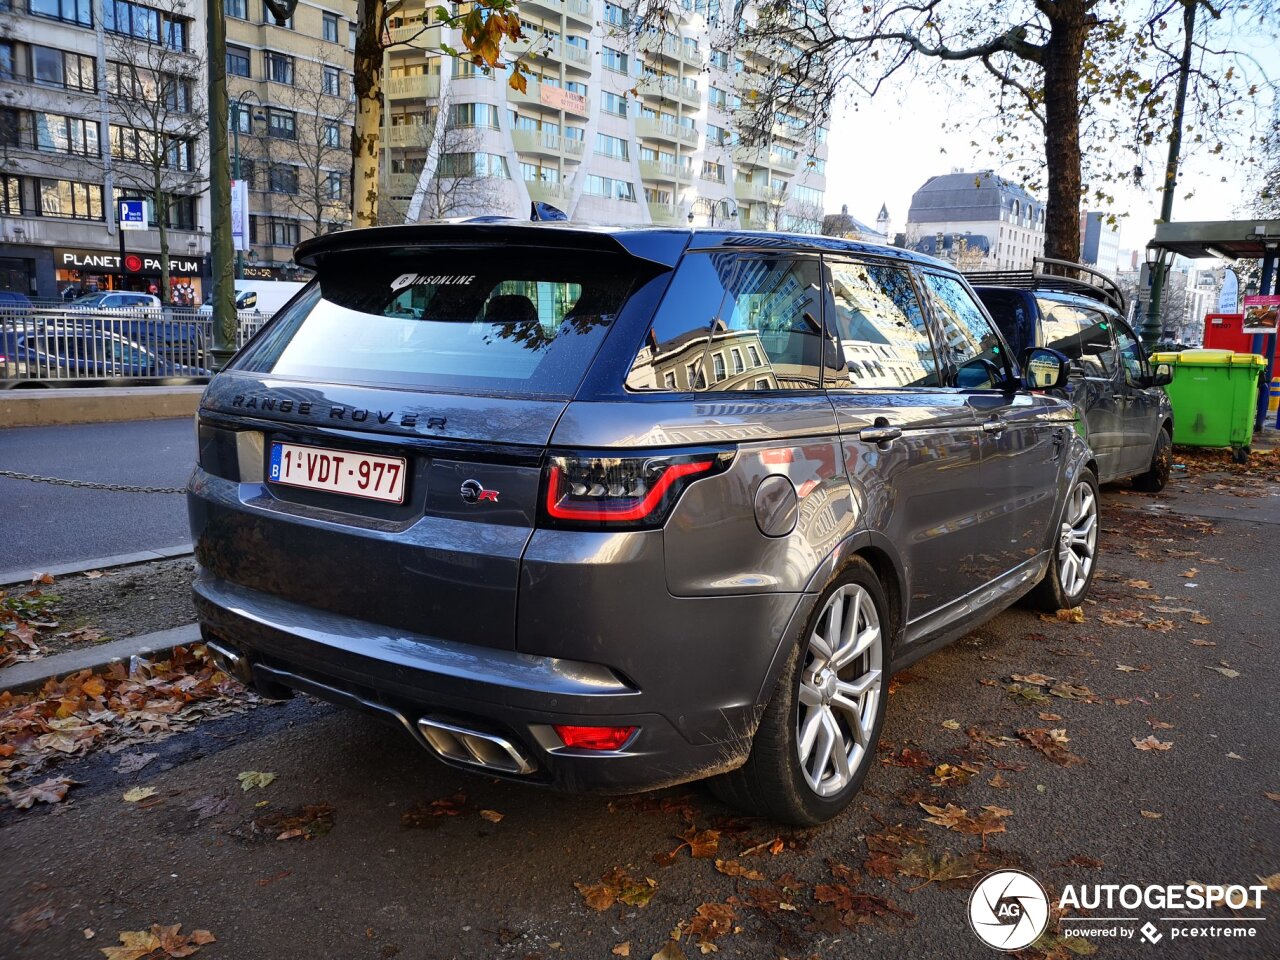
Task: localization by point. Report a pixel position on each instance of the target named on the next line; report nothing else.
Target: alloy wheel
(1078, 539)
(840, 689)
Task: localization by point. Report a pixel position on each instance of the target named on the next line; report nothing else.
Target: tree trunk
(162, 225)
(370, 23)
(1063, 54)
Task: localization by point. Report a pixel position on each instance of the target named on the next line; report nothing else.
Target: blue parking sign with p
(133, 214)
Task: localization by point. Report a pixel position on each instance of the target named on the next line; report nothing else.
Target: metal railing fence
(61, 345)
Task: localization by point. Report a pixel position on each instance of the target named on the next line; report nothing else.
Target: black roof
(659, 244)
(957, 197)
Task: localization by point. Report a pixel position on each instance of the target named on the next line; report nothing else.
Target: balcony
(757, 192)
(409, 135)
(402, 184)
(544, 192)
(657, 129)
(786, 164)
(670, 88)
(664, 170)
(546, 144)
(422, 87)
(672, 47)
(417, 35)
(751, 156)
(667, 214)
(540, 48)
(551, 97)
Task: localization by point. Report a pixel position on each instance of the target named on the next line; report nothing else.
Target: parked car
(1126, 414)
(14, 303)
(116, 300)
(607, 509)
(55, 351)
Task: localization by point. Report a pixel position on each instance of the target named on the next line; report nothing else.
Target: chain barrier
(89, 484)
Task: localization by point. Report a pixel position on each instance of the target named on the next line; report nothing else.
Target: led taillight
(593, 738)
(625, 491)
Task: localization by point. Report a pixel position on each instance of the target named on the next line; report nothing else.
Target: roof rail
(1061, 276)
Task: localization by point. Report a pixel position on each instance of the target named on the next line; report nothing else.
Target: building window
(237, 8)
(736, 354)
(69, 11)
(333, 185)
(474, 165)
(57, 68)
(69, 199)
(11, 195)
(351, 36)
(282, 125)
(473, 115)
(614, 60)
(237, 61)
(242, 117)
(331, 27)
(614, 104)
(54, 133)
(717, 367)
(615, 15)
(713, 171)
(282, 178)
(332, 133)
(332, 81)
(248, 172)
(279, 67)
(610, 188)
(614, 147)
(284, 233)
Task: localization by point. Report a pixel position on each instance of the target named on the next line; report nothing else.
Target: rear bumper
(502, 696)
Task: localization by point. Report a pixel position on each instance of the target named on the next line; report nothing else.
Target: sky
(882, 151)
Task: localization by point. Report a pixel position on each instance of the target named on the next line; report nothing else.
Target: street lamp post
(1157, 266)
(237, 105)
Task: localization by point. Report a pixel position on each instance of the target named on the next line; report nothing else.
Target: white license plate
(338, 471)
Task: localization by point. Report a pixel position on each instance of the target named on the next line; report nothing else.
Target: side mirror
(1044, 369)
(1162, 376)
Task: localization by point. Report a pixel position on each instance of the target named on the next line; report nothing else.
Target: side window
(1083, 334)
(970, 344)
(877, 317)
(1133, 360)
(720, 306)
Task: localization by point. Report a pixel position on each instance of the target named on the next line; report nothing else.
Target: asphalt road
(463, 886)
(44, 524)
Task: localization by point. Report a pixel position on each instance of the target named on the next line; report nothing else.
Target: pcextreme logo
(1009, 910)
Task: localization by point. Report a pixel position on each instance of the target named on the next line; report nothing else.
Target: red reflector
(593, 738)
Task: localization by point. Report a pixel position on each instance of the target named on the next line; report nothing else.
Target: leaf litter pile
(107, 709)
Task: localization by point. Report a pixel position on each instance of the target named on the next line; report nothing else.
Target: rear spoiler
(662, 247)
(1059, 276)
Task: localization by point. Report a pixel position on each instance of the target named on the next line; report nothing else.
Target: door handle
(995, 425)
(879, 434)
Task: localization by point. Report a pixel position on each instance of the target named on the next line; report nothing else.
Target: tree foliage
(1081, 90)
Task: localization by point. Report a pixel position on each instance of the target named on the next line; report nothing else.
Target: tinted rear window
(492, 320)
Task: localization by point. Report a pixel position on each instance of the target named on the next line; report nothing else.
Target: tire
(1157, 475)
(1075, 546)
(774, 782)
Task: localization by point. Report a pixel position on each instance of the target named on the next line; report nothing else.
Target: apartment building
(1099, 242)
(99, 102)
(612, 127)
(292, 109)
(978, 219)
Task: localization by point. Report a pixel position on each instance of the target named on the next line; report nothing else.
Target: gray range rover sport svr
(612, 509)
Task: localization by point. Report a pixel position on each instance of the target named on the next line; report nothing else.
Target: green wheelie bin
(1215, 398)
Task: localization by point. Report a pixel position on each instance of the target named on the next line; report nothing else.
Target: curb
(64, 405)
(33, 673)
(9, 578)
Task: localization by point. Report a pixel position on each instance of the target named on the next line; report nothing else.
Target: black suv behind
(1067, 307)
